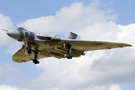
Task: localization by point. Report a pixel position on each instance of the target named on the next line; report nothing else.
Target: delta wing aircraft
(38, 46)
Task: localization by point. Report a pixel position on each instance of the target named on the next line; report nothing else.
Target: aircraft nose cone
(14, 34)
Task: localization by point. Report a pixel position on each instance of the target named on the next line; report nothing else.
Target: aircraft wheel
(36, 61)
(69, 57)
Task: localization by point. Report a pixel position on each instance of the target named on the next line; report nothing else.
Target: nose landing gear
(29, 48)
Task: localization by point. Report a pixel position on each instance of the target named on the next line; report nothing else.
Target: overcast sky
(94, 20)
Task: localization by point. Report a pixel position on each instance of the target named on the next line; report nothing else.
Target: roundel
(26, 34)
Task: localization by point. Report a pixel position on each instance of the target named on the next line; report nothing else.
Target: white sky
(91, 20)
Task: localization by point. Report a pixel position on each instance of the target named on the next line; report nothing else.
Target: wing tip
(129, 45)
(125, 45)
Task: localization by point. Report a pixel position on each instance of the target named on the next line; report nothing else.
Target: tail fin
(72, 36)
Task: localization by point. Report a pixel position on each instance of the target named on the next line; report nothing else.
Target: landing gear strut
(36, 56)
(68, 56)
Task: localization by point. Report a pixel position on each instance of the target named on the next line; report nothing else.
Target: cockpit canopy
(21, 28)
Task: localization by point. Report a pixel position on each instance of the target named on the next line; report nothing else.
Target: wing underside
(77, 49)
(21, 56)
(57, 52)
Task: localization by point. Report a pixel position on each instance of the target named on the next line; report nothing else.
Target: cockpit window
(21, 28)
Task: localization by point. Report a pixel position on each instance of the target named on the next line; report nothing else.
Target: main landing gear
(35, 52)
(68, 56)
(36, 56)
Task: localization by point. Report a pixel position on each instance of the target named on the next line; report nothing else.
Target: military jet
(38, 46)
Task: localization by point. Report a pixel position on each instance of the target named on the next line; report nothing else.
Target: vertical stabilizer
(72, 36)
